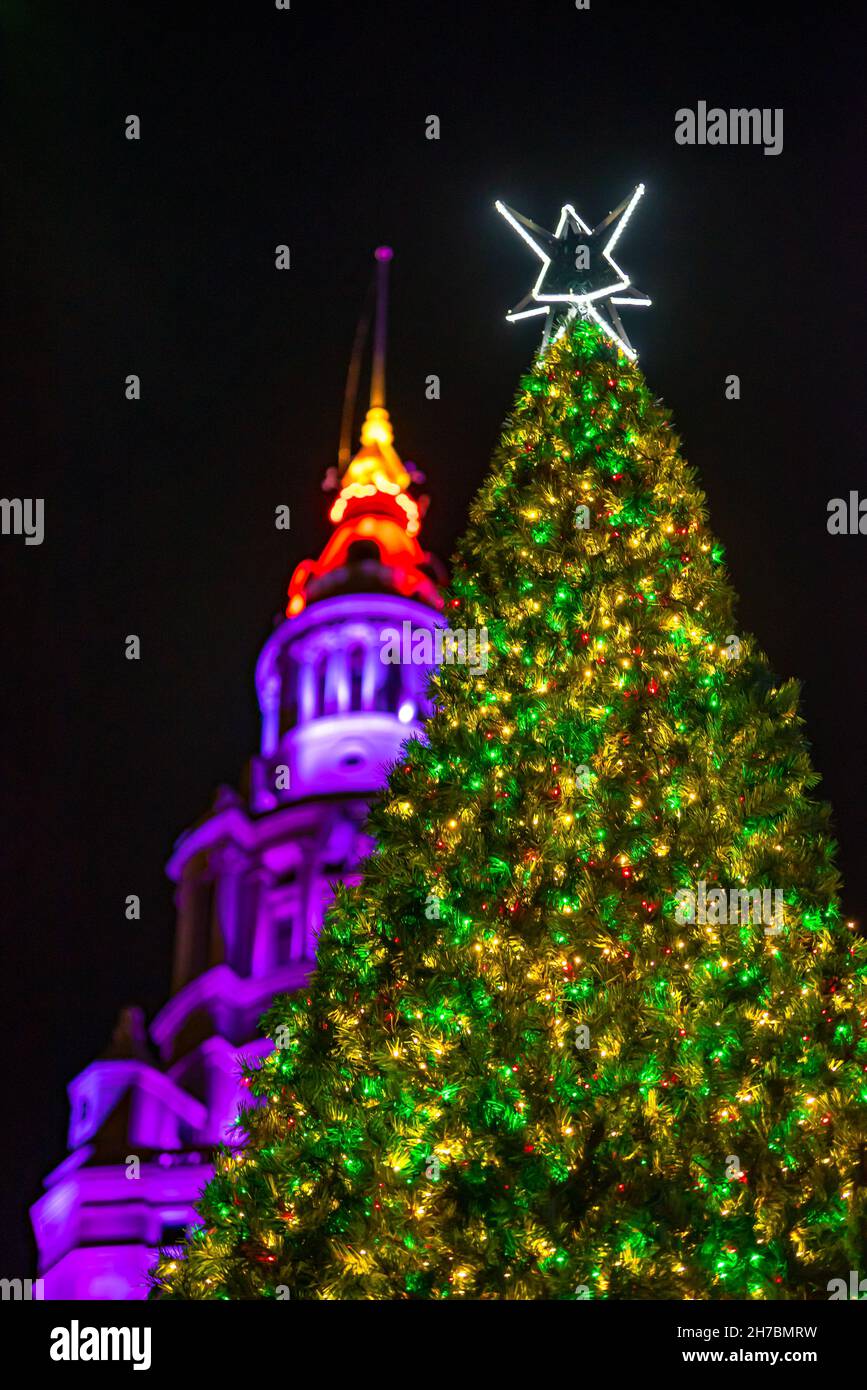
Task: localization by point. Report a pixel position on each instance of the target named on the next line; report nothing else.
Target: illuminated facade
(253, 880)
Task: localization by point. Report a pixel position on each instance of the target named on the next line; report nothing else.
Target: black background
(307, 127)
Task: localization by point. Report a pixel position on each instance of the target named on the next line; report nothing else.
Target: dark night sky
(307, 128)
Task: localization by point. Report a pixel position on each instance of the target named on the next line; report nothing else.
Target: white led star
(579, 274)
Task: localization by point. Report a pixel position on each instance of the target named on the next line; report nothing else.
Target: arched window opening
(356, 660)
(288, 696)
(321, 685)
(388, 693)
(284, 933)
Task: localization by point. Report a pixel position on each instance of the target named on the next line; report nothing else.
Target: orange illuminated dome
(375, 545)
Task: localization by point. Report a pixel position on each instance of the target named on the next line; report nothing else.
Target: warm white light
(580, 303)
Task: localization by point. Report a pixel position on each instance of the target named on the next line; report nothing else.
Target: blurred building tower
(254, 876)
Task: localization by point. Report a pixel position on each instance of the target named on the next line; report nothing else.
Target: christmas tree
(591, 1024)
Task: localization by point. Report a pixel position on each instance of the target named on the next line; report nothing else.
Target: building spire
(383, 256)
(377, 462)
(375, 516)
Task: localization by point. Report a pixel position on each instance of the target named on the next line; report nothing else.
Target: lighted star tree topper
(579, 274)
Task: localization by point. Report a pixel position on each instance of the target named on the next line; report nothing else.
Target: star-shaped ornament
(579, 274)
